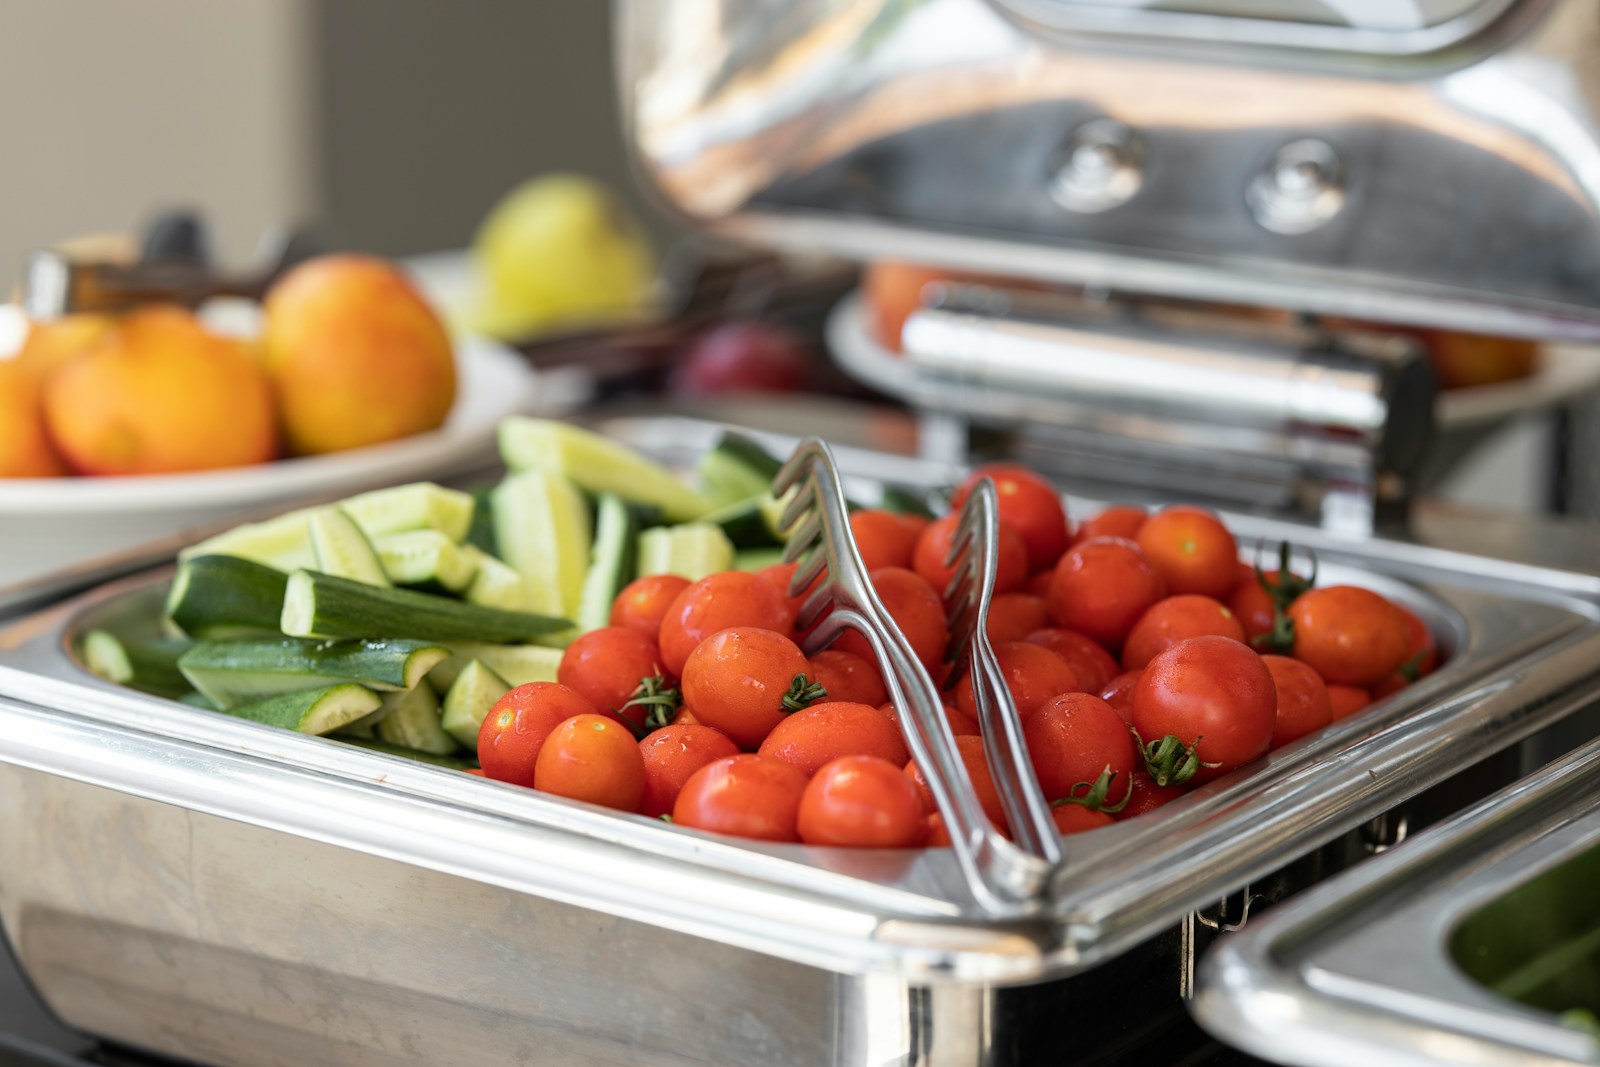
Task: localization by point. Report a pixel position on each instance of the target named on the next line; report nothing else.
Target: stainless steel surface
(1359, 970)
(1458, 184)
(1000, 874)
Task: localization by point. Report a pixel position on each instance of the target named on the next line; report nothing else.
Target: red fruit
(744, 796)
(1073, 739)
(847, 678)
(1118, 520)
(1076, 818)
(1147, 796)
(1093, 665)
(1033, 675)
(933, 548)
(1192, 550)
(1390, 686)
(1303, 704)
(1422, 652)
(1102, 587)
(1119, 693)
(861, 802)
(736, 681)
(516, 728)
(1346, 700)
(592, 758)
(1349, 635)
(1027, 503)
(671, 756)
(916, 609)
(643, 601)
(1013, 616)
(886, 538)
(977, 764)
(606, 665)
(1212, 693)
(1175, 619)
(717, 602)
(743, 357)
(825, 732)
(960, 723)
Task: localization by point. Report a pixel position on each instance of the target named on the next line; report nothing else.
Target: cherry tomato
(644, 601)
(1093, 665)
(1119, 693)
(1212, 693)
(1027, 503)
(1389, 686)
(847, 678)
(671, 755)
(1118, 520)
(861, 802)
(1252, 605)
(1303, 704)
(1175, 619)
(960, 722)
(743, 796)
(1013, 616)
(1346, 700)
(977, 764)
(916, 609)
(1033, 674)
(1349, 635)
(1422, 652)
(718, 602)
(518, 724)
(938, 834)
(824, 732)
(1102, 587)
(736, 680)
(1039, 583)
(885, 538)
(476, 772)
(1147, 796)
(778, 576)
(1191, 550)
(1073, 739)
(933, 548)
(1075, 818)
(606, 665)
(592, 758)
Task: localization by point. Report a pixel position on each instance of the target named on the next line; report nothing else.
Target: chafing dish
(206, 888)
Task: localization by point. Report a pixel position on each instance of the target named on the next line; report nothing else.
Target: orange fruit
(25, 450)
(356, 356)
(161, 394)
(53, 343)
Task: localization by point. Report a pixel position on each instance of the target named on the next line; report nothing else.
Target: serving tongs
(1000, 873)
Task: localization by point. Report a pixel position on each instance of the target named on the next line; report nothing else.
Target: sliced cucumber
(517, 664)
(342, 550)
(494, 584)
(412, 721)
(757, 559)
(748, 523)
(692, 550)
(480, 533)
(419, 506)
(611, 565)
(312, 711)
(320, 605)
(426, 557)
(542, 527)
(198, 700)
(150, 666)
(454, 763)
(471, 696)
(223, 597)
(597, 464)
(906, 502)
(229, 673)
(283, 542)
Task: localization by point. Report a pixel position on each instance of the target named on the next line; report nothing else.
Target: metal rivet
(1098, 168)
(1300, 189)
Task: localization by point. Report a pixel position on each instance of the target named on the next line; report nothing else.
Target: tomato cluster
(1142, 655)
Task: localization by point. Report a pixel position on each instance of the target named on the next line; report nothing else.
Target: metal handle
(818, 522)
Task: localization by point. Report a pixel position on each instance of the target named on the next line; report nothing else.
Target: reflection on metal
(1300, 190)
(1098, 168)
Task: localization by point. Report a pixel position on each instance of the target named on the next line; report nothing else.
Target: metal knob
(1300, 190)
(1098, 168)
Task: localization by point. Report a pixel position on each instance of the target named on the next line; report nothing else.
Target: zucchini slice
(517, 664)
(543, 529)
(467, 703)
(320, 605)
(229, 673)
(312, 711)
(412, 722)
(494, 584)
(283, 542)
(611, 565)
(427, 558)
(597, 464)
(223, 597)
(149, 666)
(342, 550)
(692, 550)
(418, 506)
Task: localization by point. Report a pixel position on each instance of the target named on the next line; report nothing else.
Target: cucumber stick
(150, 666)
(736, 470)
(467, 703)
(342, 550)
(542, 527)
(283, 542)
(517, 664)
(222, 597)
(229, 673)
(427, 557)
(757, 559)
(692, 550)
(596, 464)
(419, 506)
(320, 605)
(412, 721)
(495, 584)
(611, 564)
(312, 711)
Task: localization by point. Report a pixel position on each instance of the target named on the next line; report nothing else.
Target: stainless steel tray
(209, 888)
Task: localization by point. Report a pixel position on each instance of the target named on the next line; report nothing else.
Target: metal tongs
(999, 872)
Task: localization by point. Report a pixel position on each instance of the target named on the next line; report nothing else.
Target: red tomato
(1390, 686)
(1147, 796)
(933, 548)
(1073, 739)
(916, 609)
(960, 723)
(1073, 818)
(736, 679)
(1119, 693)
(1303, 704)
(643, 601)
(1102, 587)
(1039, 583)
(824, 732)
(1118, 520)
(744, 796)
(847, 678)
(1191, 550)
(1252, 605)
(476, 772)
(592, 758)
(1033, 674)
(886, 538)
(1027, 503)
(977, 765)
(1013, 616)
(778, 576)
(671, 755)
(519, 723)
(1175, 619)
(1346, 700)
(939, 834)
(1422, 652)
(1212, 693)
(861, 802)
(1349, 635)
(605, 666)
(718, 602)
(1093, 665)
